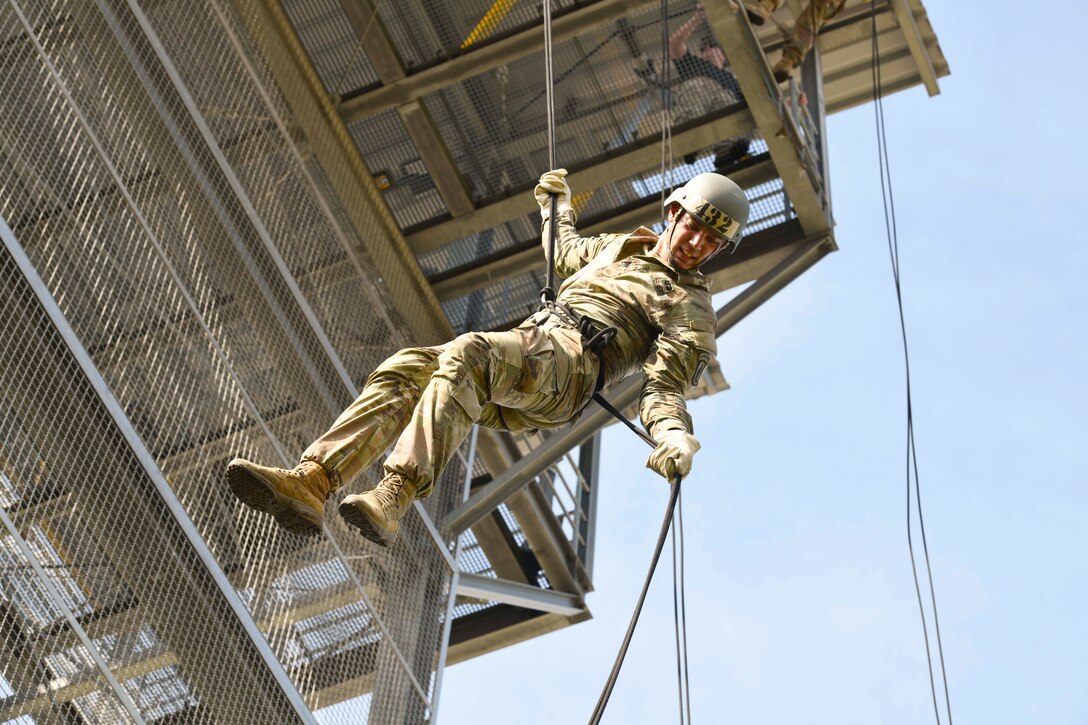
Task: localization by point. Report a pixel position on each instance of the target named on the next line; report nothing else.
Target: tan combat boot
(377, 513)
(759, 12)
(296, 499)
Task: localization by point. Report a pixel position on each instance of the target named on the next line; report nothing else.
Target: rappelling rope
(547, 297)
(679, 597)
(912, 455)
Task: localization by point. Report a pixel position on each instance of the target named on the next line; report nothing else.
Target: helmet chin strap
(672, 230)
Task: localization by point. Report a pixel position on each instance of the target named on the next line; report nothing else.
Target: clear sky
(801, 606)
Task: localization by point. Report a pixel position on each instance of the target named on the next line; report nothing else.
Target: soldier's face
(688, 242)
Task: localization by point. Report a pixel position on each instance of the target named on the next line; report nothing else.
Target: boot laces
(307, 477)
(388, 492)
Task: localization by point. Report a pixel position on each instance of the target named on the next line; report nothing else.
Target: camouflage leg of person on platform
(799, 41)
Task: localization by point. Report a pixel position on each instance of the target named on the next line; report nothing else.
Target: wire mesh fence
(169, 206)
(211, 274)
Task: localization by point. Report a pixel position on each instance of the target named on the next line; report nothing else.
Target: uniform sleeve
(572, 252)
(678, 357)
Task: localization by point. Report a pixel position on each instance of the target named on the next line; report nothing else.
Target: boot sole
(362, 521)
(259, 495)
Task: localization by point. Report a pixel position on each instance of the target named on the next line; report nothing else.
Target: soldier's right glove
(553, 182)
(675, 449)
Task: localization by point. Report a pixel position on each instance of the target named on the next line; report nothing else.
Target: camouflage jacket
(663, 317)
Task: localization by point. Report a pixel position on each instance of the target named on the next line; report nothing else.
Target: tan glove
(675, 449)
(553, 182)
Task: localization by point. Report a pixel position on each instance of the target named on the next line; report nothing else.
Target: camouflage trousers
(426, 399)
(799, 41)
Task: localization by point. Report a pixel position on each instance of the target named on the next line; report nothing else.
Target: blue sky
(801, 605)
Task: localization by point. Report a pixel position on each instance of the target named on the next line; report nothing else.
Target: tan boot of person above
(782, 70)
(377, 513)
(760, 12)
(296, 499)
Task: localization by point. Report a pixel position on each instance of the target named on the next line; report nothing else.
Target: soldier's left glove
(553, 182)
(675, 449)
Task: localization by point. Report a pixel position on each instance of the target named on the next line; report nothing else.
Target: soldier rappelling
(630, 302)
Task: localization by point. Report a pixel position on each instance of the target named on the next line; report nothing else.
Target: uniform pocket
(538, 373)
(523, 366)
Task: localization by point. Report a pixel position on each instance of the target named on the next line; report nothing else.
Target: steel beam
(753, 72)
(486, 56)
(383, 56)
(846, 87)
(512, 626)
(526, 256)
(917, 46)
(436, 157)
(591, 174)
(626, 392)
(521, 595)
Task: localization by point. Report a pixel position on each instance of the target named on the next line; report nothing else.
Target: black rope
(603, 402)
(606, 693)
(679, 598)
(676, 623)
(547, 295)
(679, 611)
(679, 531)
(912, 453)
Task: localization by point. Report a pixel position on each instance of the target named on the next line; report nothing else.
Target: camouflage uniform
(538, 375)
(799, 41)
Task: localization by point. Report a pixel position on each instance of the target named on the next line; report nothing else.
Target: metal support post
(451, 600)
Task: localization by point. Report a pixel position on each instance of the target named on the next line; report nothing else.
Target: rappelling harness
(595, 336)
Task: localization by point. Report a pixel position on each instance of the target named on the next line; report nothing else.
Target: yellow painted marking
(489, 22)
(579, 202)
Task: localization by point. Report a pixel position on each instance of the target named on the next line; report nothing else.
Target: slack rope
(602, 702)
(912, 454)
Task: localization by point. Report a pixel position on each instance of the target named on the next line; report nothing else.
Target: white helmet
(718, 203)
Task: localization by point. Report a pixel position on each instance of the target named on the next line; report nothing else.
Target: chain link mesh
(158, 187)
(229, 294)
